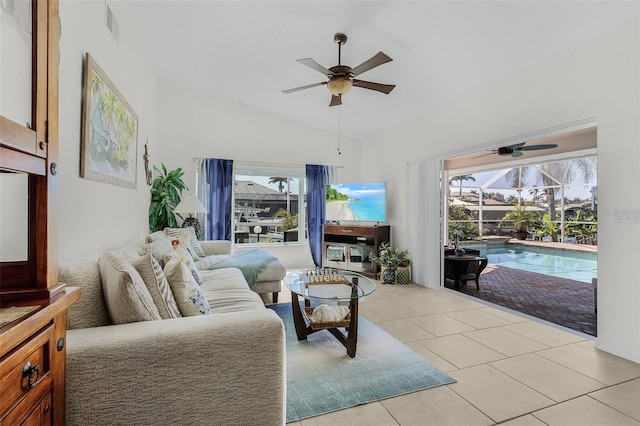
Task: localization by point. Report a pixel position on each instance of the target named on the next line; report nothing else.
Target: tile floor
(510, 370)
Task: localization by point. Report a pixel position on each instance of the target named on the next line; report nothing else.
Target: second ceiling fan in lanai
(341, 77)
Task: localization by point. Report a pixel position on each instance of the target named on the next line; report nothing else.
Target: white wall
(97, 216)
(194, 124)
(597, 79)
(180, 124)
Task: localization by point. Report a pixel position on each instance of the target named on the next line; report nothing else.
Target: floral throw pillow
(181, 251)
(189, 297)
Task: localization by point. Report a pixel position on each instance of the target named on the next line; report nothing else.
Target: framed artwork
(109, 146)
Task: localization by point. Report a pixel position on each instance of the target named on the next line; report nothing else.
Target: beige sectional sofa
(226, 368)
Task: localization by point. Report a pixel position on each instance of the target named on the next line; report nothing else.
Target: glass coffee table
(330, 287)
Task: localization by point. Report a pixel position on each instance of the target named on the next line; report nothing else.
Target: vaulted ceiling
(442, 50)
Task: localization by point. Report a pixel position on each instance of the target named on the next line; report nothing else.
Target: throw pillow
(125, 293)
(158, 286)
(193, 239)
(155, 236)
(180, 250)
(159, 249)
(190, 298)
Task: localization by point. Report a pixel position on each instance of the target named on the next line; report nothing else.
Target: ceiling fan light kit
(339, 85)
(341, 77)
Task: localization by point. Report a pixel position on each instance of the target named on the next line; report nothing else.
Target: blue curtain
(218, 179)
(317, 180)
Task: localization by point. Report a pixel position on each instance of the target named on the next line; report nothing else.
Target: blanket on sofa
(250, 263)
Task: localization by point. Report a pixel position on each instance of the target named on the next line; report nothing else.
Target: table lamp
(190, 205)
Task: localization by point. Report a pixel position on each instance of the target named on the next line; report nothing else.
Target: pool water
(577, 266)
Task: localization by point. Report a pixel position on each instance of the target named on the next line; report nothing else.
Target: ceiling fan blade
(309, 86)
(538, 147)
(377, 59)
(316, 66)
(335, 100)
(483, 155)
(384, 88)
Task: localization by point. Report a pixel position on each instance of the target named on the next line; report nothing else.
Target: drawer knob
(30, 371)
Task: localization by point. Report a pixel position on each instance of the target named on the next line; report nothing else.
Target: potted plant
(457, 235)
(522, 219)
(390, 260)
(166, 192)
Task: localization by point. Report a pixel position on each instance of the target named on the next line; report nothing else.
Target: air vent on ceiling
(112, 24)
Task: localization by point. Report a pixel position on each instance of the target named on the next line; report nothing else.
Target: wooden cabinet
(32, 149)
(33, 305)
(352, 247)
(32, 360)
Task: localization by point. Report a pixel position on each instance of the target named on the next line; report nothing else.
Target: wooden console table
(352, 247)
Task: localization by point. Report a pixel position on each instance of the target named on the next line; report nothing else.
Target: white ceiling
(246, 51)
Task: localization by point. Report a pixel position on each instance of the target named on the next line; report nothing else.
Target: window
(268, 203)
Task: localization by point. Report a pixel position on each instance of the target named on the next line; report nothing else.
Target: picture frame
(109, 142)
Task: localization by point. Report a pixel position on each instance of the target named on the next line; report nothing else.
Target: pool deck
(561, 301)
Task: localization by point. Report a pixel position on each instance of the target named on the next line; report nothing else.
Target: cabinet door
(335, 255)
(41, 415)
(360, 258)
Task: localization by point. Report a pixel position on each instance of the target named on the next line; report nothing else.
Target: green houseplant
(390, 260)
(166, 192)
(522, 219)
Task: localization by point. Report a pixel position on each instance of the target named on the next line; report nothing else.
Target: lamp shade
(189, 204)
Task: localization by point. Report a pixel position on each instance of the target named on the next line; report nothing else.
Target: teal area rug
(322, 378)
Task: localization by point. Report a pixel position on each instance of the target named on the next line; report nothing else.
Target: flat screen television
(356, 202)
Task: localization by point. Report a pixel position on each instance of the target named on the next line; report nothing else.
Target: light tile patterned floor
(509, 369)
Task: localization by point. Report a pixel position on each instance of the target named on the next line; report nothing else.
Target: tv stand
(353, 247)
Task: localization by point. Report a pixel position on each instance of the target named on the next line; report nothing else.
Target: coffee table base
(348, 339)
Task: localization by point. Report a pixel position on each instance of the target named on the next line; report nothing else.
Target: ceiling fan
(341, 77)
(517, 149)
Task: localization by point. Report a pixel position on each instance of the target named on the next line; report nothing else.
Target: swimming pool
(572, 265)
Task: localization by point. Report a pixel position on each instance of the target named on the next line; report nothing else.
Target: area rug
(322, 378)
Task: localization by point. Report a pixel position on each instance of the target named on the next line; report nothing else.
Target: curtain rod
(258, 163)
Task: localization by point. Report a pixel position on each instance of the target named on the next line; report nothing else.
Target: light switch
(626, 215)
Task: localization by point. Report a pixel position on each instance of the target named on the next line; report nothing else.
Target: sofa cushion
(90, 310)
(125, 293)
(193, 239)
(158, 286)
(189, 297)
(233, 300)
(159, 249)
(223, 279)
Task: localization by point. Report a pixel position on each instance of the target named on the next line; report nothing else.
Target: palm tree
(460, 179)
(564, 172)
(280, 181)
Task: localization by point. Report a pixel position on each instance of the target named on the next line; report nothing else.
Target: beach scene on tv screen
(357, 201)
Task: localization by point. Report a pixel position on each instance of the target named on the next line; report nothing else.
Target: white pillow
(125, 293)
(155, 236)
(158, 286)
(159, 249)
(189, 297)
(193, 239)
(180, 250)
